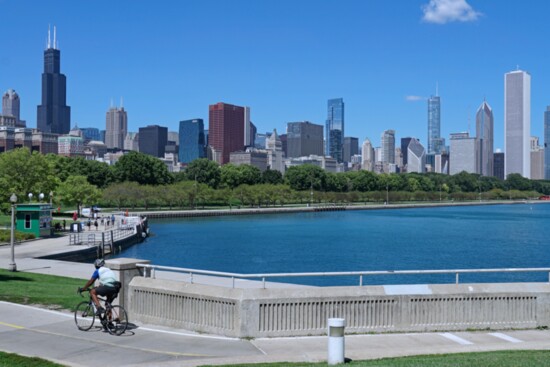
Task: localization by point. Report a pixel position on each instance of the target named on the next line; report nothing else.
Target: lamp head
(13, 198)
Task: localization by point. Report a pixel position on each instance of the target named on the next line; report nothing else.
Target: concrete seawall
(299, 312)
(281, 312)
(318, 208)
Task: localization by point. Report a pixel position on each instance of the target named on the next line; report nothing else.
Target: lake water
(495, 236)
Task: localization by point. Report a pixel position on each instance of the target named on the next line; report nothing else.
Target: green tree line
(139, 180)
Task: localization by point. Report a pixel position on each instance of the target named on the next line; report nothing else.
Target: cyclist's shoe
(110, 325)
(99, 311)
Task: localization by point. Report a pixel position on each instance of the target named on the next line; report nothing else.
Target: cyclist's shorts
(106, 291)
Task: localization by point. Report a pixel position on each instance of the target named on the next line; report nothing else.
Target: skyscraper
(53, 115)
(416, 156)
(191, 140)
(367, 156)
(388, 147)
(464, 154)
(434, 125)
(517, 122)
(334, 130)
(153, 140)
(484, 130)
(404, 149)
(304, 139)
(226, 129)
(116, 127)
(10, 104)
(351, 148)
(547, 143)
(498, 164)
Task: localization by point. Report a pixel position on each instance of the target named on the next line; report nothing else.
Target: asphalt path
(53, 335)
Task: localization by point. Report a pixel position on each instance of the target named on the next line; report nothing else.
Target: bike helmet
(99, 263)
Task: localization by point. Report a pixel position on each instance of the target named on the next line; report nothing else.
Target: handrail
(149, 271)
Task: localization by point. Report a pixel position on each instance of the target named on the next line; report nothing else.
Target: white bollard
(336, 345)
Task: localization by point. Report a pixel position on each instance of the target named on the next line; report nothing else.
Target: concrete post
(336, 344)
(125, 269)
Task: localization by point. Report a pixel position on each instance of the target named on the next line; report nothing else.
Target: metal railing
(149, 271)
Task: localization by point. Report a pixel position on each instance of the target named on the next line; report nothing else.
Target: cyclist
(107, 284)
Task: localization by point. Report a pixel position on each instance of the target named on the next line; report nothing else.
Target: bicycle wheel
(117, 320)
(84, 316)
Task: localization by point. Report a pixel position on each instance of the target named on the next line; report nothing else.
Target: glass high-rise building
(153, 140)
(547, 143)
(484, 132)
(351, 148)
(517, 123)
(334, 129)
(53, 115)
(388, 146)
(434, 125)
(90, 133)
(191, 140)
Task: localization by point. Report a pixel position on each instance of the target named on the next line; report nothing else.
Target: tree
(143, 169)
(270, 176)
(23, 172)
(515, 181)
(77, 190)
(204, 171)
(363, 180)
(305, 177)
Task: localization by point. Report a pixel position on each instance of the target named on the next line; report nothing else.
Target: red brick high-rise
(226, 129)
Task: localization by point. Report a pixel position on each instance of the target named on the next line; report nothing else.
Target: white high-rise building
(275, 155)
(517, 123)
(367, 156)
(416, 156)
(116, 128)
(464, 154)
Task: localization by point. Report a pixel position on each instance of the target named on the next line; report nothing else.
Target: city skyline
(280, 69)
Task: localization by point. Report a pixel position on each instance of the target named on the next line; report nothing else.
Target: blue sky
(170, 59)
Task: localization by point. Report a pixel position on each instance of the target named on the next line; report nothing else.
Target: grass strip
(516, 358)
(15, 360)
(54, 292)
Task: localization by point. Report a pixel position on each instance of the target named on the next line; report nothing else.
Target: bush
(5, 235)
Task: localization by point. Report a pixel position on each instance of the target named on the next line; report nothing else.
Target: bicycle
(114, 319)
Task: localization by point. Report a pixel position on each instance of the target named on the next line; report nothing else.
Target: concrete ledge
(295, 312)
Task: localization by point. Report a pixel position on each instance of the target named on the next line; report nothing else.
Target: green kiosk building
(34, 218)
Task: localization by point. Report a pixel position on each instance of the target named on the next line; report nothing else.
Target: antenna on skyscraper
(121, 102)
(112, 102)
(49, 38)
(54, 39)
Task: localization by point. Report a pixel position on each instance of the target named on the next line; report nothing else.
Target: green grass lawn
(28, 288)
(14, 360)
(520, 358)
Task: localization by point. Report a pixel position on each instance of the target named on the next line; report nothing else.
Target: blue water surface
(495, 236)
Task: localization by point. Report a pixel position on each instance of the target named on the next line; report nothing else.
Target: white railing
(149, 271)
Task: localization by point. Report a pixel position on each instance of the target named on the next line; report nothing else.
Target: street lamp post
(51, 197)
(30, 197)
(12, 266)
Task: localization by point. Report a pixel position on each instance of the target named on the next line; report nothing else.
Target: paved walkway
(52, 335)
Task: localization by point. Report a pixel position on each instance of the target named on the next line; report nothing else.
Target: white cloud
(445, 11)
(414, 98)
